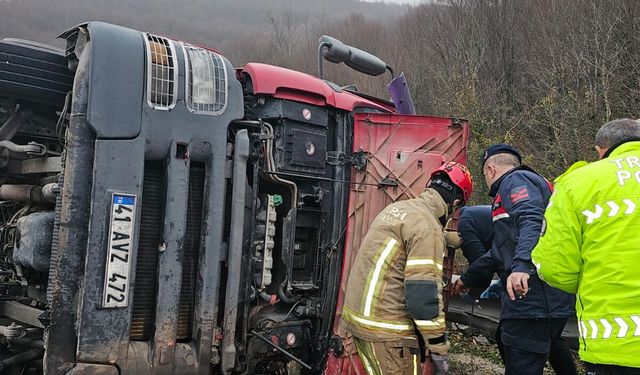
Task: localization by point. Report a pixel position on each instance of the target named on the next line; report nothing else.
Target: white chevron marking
(630, 206)
(591, 216)
(624, 327)
(614, 208)
(583, 329)
(594, 329)
(636, 320)
(607, 328)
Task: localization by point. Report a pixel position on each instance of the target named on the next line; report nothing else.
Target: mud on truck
(164, 213)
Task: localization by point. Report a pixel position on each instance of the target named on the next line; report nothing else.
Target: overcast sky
(395, 1)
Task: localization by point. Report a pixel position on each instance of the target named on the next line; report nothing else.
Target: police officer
(533, 313)
(476, 231)
(591, 247)
(395, 287)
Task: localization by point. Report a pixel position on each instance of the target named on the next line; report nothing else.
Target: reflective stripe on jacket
(591, 246)
(396, 280)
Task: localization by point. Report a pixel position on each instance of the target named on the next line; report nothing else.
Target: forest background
(543, 75)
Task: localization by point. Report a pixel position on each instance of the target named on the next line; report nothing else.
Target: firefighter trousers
(400, 357)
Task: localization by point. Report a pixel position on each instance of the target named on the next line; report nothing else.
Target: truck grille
(162, 72)
(55, 243)
(144, 295)
(191, 250)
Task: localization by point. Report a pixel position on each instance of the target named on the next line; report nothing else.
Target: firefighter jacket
(520, 198)
(395, 285)
(590, 247)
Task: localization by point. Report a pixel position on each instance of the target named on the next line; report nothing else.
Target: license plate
(118, 262)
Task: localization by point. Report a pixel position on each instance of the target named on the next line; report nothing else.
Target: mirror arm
(320, 47)
(390, 69)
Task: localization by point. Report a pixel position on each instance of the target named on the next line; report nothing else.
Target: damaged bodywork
(163, 212)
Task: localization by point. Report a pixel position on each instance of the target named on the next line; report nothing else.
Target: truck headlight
(206, 80)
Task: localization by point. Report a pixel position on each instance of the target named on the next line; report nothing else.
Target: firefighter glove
(452, 239)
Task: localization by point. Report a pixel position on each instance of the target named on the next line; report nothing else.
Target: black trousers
(593, 369)
(526, 344)
(560, 356)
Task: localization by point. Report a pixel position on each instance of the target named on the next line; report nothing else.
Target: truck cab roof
(288, 84)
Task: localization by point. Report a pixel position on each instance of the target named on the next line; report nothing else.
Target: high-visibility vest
(590, 246)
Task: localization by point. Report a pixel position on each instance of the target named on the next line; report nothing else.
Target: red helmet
(459, 175)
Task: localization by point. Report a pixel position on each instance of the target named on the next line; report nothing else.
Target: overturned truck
(164, 213)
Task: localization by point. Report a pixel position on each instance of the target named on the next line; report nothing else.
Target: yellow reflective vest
(396, 280)
(591, 247)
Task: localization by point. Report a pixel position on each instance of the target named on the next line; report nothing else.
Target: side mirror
(365, 62)
(337, 52)
(334, 50)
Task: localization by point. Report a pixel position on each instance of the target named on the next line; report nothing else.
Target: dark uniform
(476, 230)
(530, 324)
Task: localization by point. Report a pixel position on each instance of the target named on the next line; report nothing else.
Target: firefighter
(590, 247)
(533, 313)
(394, 290)
(476, 232)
